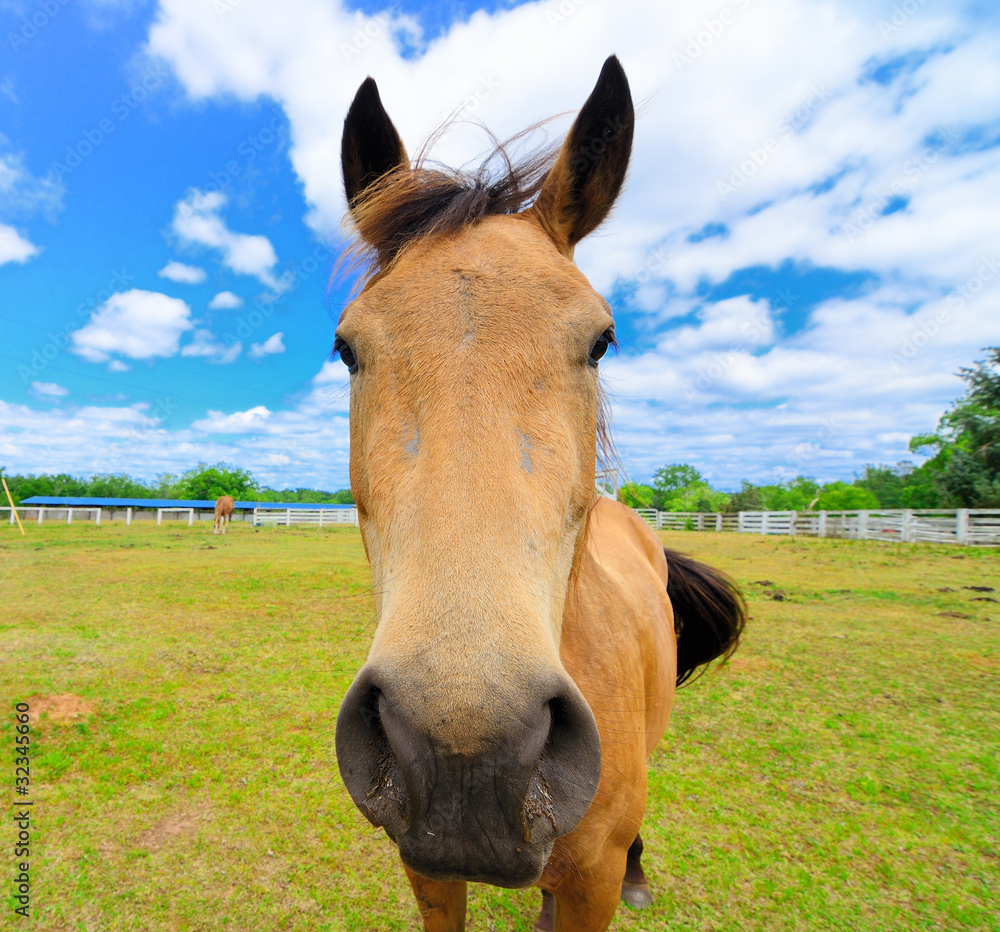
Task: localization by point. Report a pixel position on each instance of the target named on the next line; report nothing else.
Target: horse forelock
(426, 199)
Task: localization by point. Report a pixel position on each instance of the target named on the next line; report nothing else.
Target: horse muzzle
(487, 810)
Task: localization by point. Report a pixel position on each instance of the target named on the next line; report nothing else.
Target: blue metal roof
(74, 502)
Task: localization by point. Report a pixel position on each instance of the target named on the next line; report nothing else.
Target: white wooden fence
(321, 517)
(51, 513)
(967, 526)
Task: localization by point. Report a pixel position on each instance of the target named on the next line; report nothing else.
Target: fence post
(321, 517)
(906, 530)
(190, 517)
(763, 522)
(12, 516)
(69, 515)
(98, 521)
(791, 523)
(288, 517)
(962, 526)
(41, 513)
(701, 521)
(862, 525)
(159, 516)
(128, 517)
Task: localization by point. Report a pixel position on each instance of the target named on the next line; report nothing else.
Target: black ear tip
(367, 94)
(613, 71)
(612, 89)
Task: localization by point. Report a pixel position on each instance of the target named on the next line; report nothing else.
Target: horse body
(524, 661)
(224, 508)
(619, 646)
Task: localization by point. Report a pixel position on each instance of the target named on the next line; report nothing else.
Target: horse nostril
(368, 764)
(565, 778)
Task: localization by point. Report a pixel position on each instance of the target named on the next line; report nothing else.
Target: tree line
(200, 482)
(963, 472)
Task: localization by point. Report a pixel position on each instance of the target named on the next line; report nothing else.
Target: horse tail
(709, 612)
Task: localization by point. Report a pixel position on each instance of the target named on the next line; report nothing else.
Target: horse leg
(547, 917)
(587, 902)
(635, 886)
(442, 903)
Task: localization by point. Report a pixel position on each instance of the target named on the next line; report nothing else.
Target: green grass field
(842, 772)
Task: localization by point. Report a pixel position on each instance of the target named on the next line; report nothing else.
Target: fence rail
(322, 517)
(966, 526)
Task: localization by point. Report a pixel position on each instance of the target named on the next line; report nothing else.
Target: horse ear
(371, 145)
(584, 182)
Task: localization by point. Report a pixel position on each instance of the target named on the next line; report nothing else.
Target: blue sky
(805, 253)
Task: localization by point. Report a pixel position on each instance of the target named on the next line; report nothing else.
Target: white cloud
(205, 344)
(272, 344)
(14, 247)
(138, 324)
(23, 193)
(225, 300)
(116, 365)
(796, 100)
(735, 322)
(185, 274)
(48, 390)
(783, 104)
(238, 423)
(197, 221)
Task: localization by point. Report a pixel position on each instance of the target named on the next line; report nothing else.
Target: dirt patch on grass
(741, 663)
(62, 708)
(983, 662)
(181, 824)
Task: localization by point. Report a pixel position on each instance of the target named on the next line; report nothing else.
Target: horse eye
(605, 340)
(342, 348)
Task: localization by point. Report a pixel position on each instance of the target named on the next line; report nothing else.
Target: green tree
(797, 495)
(675, 477)
(839, 496)
(922, 490)
(886, 483)
(966, 462)
(749, 498)
(678, 487)
(209, 482)
(117, 485)
(637, 495)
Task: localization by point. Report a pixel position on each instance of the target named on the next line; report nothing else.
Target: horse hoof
(637, 895)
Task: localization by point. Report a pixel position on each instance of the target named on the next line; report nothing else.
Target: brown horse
(224, 508)
(527, 647)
